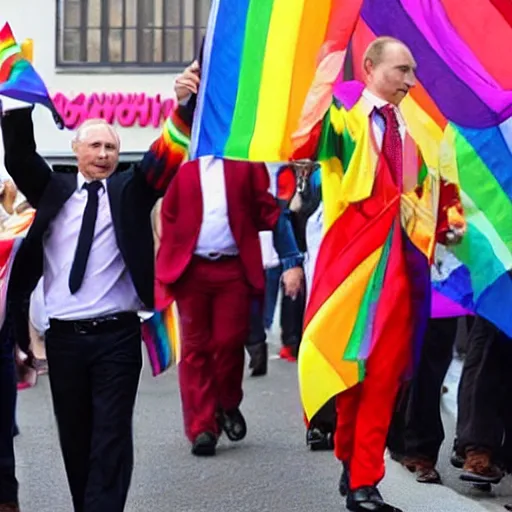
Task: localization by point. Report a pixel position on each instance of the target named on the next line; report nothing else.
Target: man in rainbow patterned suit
(383, 212)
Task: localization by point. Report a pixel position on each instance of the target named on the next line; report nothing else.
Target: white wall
(36, 19)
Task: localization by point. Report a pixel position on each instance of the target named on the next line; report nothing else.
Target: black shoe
(258, 359)
(233, 423)
(204, 445)
(457, 460)
(367, 499)
(344, 481)
(318, 440)
(397, 457)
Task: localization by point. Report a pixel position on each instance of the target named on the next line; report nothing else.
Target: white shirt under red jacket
(212, 203)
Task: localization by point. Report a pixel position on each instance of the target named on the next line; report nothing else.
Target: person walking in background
(210, 261)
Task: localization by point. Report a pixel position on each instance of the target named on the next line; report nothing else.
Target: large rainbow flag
(270, 68)
(259, 59)
(18, 78)
(460, 115)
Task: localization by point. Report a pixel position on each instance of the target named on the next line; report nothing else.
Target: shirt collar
(82, 180)
(378, 103)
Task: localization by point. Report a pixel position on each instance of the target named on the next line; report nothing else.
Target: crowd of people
(226, 249)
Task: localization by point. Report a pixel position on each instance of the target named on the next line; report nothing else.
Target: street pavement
(270, 471)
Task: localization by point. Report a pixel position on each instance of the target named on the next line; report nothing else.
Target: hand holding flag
(18, 78)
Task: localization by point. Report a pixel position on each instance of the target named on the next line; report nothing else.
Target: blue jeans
(273, 280)
(8, 483)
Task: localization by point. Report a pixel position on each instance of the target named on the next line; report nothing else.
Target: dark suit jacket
(251, 209)
(132, 196)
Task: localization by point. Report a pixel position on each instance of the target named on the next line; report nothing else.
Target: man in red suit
(210, 261)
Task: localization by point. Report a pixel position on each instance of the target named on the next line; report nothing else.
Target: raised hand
(188, 82)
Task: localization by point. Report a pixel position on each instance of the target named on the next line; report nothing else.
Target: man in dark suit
(92, 242)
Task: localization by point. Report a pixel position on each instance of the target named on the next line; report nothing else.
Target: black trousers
(485, 415)
(417, 428)
(257, 334)
(94, 379)
(292, 319)
(8, 483)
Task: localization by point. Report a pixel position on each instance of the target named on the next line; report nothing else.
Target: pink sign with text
(125, 109)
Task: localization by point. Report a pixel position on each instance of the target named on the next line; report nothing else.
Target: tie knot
(93, 186)
(389, 114)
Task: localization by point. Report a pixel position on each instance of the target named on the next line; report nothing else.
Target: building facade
(115, 59)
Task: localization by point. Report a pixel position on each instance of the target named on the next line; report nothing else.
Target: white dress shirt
(37, 311)
(268, 252)
(378, 128)
(215, 236)
(107, 286)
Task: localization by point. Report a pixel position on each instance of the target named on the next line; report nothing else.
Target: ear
(367, 66)
(74, 146)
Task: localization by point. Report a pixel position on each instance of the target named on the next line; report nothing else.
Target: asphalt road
(271, 471)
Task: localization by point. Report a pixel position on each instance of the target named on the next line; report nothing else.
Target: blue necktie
(83, 247)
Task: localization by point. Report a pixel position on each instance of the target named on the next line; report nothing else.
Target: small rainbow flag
(259, 60)
(18, 78)
(161, 334)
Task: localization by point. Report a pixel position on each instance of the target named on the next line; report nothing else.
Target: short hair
(82, 130)
(376, 48)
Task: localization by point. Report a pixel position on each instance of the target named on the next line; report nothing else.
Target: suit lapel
(59, 190)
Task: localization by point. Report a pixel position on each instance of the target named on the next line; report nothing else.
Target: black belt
(100, 325)
(217, 256)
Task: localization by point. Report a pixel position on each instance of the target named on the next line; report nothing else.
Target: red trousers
(213, 299)
(364, 412)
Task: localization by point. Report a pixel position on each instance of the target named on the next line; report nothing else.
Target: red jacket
(251, 209)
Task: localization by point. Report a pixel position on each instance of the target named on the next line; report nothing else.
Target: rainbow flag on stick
(18, 78)
(260, 59)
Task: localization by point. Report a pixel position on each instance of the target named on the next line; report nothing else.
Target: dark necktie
(83, 247)
(392, 144)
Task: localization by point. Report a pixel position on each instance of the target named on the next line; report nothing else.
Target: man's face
(97, 152)
(394, 75)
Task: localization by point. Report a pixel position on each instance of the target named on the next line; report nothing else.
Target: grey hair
(84, 128)
(376, 48)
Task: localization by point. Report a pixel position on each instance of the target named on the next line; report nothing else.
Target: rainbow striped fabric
(161, 335)
(168, 151)
(11, 235)
(460, 115)
(18, 78)
(259, 60)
